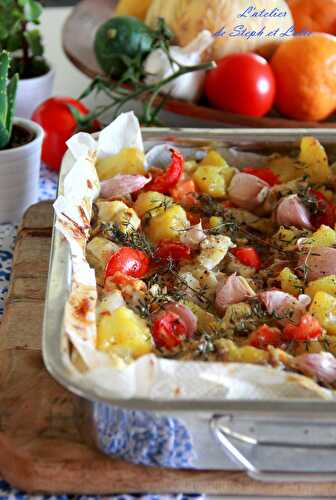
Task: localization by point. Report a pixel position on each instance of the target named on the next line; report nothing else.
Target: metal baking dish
(272, 440)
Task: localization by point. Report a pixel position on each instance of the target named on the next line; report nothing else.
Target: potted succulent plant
(20, 36)
(20, 151)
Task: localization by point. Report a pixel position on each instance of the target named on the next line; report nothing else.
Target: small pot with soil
(20, 152)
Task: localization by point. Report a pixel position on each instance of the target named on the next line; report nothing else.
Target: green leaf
(4, 66)
(32, 10)
(4, 136)
(14, 41)
(34, 40)
(3, 31)
(11, 96)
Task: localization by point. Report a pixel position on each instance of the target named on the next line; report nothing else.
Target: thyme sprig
(129, 237)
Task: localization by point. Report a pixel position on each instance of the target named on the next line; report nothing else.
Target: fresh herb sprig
(130, 238)
(131, 84)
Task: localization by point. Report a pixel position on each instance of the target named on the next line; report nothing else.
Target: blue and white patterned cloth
(163, 442)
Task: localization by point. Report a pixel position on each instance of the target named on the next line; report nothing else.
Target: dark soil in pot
(20, 137)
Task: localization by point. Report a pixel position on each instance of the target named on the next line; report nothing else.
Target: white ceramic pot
(19, 175)
(31, 92)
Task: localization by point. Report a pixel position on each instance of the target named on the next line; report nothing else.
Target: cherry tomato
(164, 182)
(247, 256)
(308, 328)
(265, 336)
(59, 125)
(128, 261)
(170, 250)
(241, 83)
(169, 330)
(266, 174)
(326, 211)
(183, 192)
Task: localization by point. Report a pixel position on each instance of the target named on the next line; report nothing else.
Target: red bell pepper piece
(129, 261)
(308, 329)
(171, 250)
(327, 211)
(265, 336)
(169, 330)
(164, 182)
(247, 256)
(266, 174)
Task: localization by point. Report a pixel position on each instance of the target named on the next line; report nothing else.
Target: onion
(185, 315)
(284, 304)
(292, 212)
(319, 262)
(320, 365)
(122, 184)
(235, 289)
(247, 191)
(193, 236)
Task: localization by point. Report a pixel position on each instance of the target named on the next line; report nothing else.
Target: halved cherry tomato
(247, 256)
(169, 330)
(182, 192)
(308, 328)
(327, 211)
(128, 261)
(266, 174)
(265, 336)
(164, 182)
(171, 250)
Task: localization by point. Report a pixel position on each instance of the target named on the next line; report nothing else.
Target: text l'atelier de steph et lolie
(240, 30)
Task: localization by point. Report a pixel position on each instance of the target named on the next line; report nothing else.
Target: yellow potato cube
(286, 168)
(128, 161)
(120, 214)
(214, 158)
(325, 236)
(124, 333)
(215, 222)
(285, 238)
(323, 308)
(290, 283)
(314, 159)
(326, 284)
(168, 225)
(246, 354)
(249, 354)
(127, 220)
(205, 320)
(151, 203)
(210, 180)
(107, 210)
(98, 253)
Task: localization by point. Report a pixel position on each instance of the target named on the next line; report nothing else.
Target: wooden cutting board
(41, 446)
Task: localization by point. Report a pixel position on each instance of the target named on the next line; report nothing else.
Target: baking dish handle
(250, 460)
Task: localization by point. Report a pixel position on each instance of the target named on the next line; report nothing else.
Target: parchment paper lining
(148, 377)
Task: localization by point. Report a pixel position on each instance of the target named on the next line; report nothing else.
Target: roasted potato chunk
(124, 333)
(128, 161)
